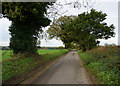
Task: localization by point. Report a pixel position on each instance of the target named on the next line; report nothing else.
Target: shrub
(103, 63)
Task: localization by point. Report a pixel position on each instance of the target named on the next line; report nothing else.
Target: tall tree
(83, 30)
(27, 21)
(89, 27)
(58, 30)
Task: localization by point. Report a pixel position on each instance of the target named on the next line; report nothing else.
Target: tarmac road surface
(68, 70)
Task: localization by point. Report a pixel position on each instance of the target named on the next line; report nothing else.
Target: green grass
(53, 55)
(8, 54)
(14, 67)
(3, 51)
(104, 67)
(46, 51)
(17, 66)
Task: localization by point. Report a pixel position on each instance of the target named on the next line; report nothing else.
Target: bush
(103, 63)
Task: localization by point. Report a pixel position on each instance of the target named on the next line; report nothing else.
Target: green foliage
(107, 51)
(88, 27)
(58, 30)
(14, 67)
(83, 30)
(17, 66)
(87, 58)
(27, 22)
(102, 64)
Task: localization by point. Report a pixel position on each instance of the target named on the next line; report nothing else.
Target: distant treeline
(61, 47)
(7, 47)
(4, 48)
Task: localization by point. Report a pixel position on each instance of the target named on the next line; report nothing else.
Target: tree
(87, 28)
(27, 21)
(58, 30)
(82, 31)
(31, 15)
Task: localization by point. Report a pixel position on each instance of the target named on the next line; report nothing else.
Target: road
(68, 70)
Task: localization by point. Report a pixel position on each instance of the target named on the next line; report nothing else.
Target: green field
(17, 66)
(46, 51)
(8, 53)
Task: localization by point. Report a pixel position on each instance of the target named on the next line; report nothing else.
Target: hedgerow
(103, 63)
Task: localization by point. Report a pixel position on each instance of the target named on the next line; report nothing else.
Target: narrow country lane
(68, 70)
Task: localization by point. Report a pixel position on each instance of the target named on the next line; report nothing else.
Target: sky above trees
(106, 6)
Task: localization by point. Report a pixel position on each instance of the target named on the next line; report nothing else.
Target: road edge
(46, 68)
(90, 76)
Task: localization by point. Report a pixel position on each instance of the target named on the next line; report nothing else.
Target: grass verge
(18, 66)
(102, 64)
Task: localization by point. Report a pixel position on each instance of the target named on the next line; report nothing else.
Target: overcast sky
(106, 6)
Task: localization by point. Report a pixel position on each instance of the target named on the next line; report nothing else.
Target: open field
(8, 53)
(47, 51)
(17, 66)
(103, 63)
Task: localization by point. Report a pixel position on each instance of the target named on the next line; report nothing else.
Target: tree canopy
(58, 30)
(27, 18)
(84, 30)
